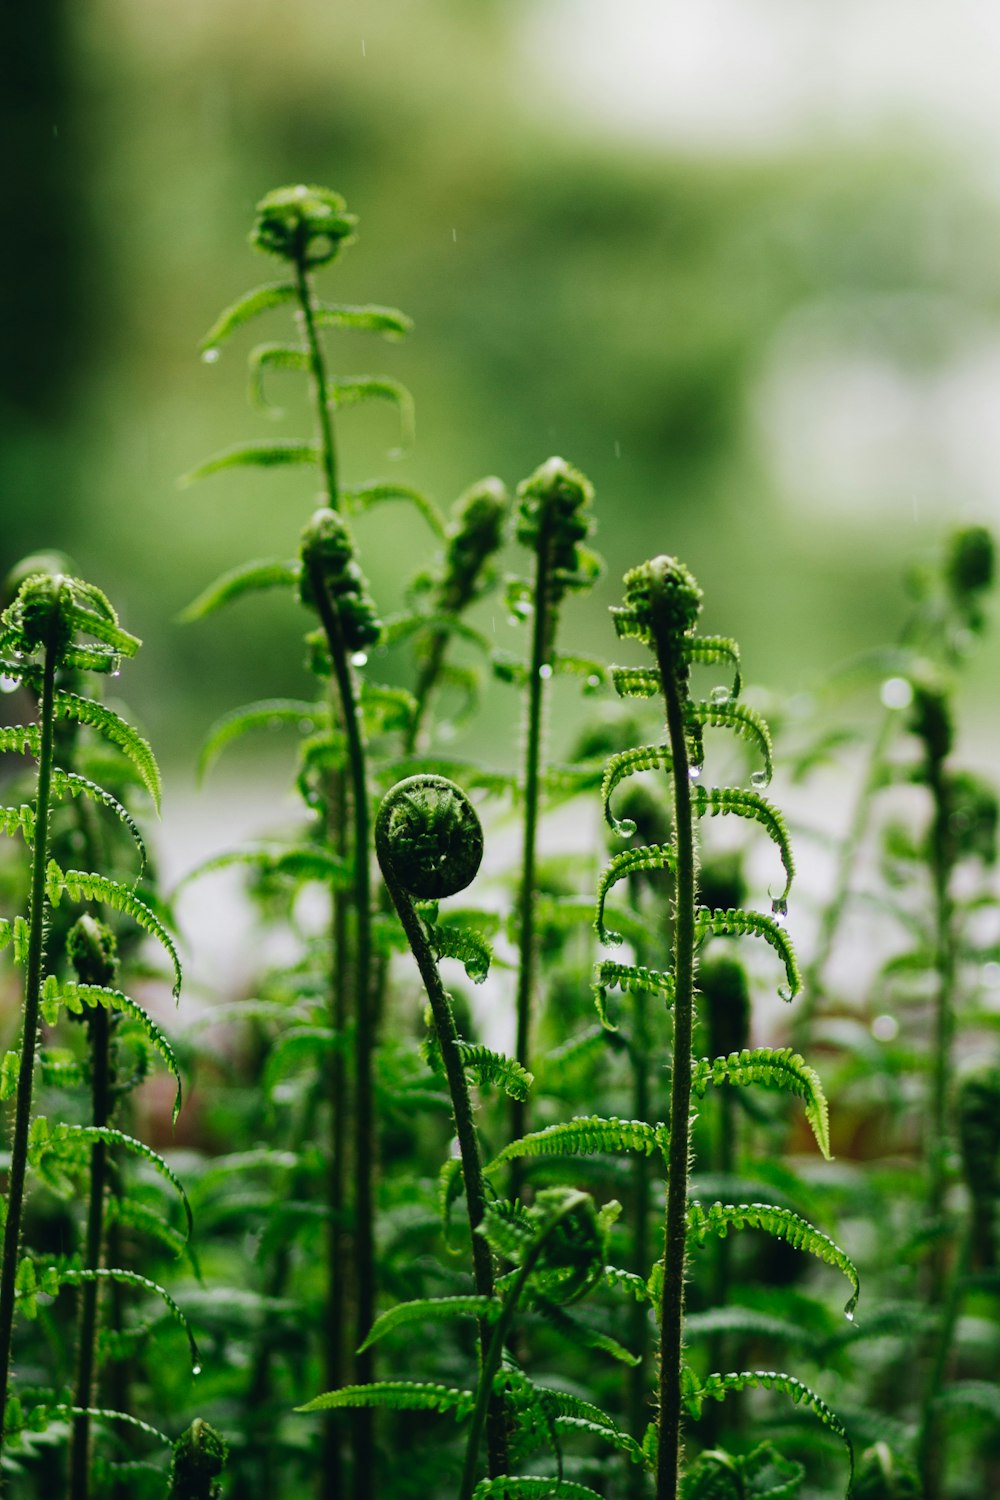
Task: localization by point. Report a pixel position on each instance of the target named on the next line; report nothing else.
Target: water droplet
(694, 772)
(759, 779)
(885, 1028)
(359, 658)
(8, 684)
(849, 1316)
(896, 692)
(545, 671)
(196, 1369)
(719, 695)
(593, 680)
(116, 672)
(779, 908)
(210, 356)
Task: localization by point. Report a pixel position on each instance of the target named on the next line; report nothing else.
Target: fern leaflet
(721, 1217)
(584, 1136)
(774, 1068)
(719, 1386)
(738, 923)
(744, 721)
(269, 713)
(44, 1139)
(431, 1310)
(630, 763)
(636, 682)
(487, 1067)
(142, 1283)
(396, 1395)
(248, 578)
(715, 800)
(79, 786)
(629, 862)
(254, 455)
(261, 299)
(371, 494)
(75, 997)
(119, 733)
(82, 885)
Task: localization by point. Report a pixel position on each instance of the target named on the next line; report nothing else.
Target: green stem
(465, 1128)
(672, 1319)
(32, 997)
(338, 1300)
(932, 1440)
(936, 1148)
(100, 1053)
(364, 1113)
(638, 1374)
(541, 650)
(321, 389)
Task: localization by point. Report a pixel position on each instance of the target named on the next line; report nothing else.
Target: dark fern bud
(93, 952)
(930, 720)
(328, 554)
(475, 535)
(199, 1458)
(39, 618)
(970, 564)
(305, 225)
(554, 508)
(429, 835)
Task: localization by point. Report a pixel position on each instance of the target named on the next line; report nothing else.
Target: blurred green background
(739, 266)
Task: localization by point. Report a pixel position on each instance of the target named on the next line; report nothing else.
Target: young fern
(661, 607)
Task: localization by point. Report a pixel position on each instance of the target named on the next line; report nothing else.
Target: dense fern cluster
(579, 1239)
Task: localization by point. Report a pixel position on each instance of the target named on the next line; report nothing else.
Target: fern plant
(660, 609)
(57, 630)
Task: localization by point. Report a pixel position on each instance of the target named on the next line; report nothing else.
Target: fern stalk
(673, 678)
(32, 997)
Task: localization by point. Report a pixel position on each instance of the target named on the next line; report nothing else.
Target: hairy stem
(320, 384)
(672, 1317)
(465, 1130)
(32, 995)
(541, 651)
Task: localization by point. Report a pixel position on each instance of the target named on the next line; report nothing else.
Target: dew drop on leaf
(210, 356)
(896, 692)
(694, 772)
(759, 779)
(8, 684)
(359, 658)
(196, 1369)
(719, 695)
(545, 670)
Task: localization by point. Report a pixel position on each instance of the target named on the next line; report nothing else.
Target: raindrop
(8, 684)
(779, 908)
(593, 680)
(694, 772)
(359, 658)
(759, 779)
(849, 1316)
(896, 692)
(196, 1369)
(885, 1028)
(210, 356)
(719, 695)
(545, 671)
(116, 672)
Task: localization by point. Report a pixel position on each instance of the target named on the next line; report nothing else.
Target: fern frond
(273, 455)
(798, 1232)
(716, 800)
(636, 682)
(136, 1216)
(388, 321)
(582, 1335)
(17, 933)
(45, 1138)
(470, 948)
(712, 649)
(774, 1068)
(531, 1487)
(249, 578)
(71, 1277)
(487, 1067)
(75, 997)
(79, 786)
(261, 299)
(116, 731)
(630, 763)
(18, 820)
(371, 494)
(719, 1386)
(387, 709)
(395, 1395)
(744, 721)
(584, 1136)
(584, 1416)
(632, 977)
(593, 672)
(42, 1415)
(19, 739)
(430, 1310)
(375, 388)
(269, 713)
(82, 885)
(273, 357)
(628, 862)
(739, 923)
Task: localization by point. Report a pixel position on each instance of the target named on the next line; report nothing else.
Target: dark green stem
(672, 1319)
(364, 1114)
(321, 392)
(32, 996)
(932, 1440)
(338, 1300)
(638, 1374)
(936, 1148)
(465, 1127)
(541, 650)
(100, 1090)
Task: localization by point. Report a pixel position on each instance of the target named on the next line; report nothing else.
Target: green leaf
(81, 885)
(774, 1068)
(371, 494)
(711, 649)
(571, 1411)
(630, 763)
(359, 388)
(20, 739)
(430, 1310)
(530, 1487)
(487, 1067)
(249, 578)
(79, 786)
(721, 1217)
(274, 357)
(18, 820)
(76, 996)
(715, 800)
(636, 682)
(269, 713)
(585, 1135)
(395, 1395)
(744, 721)
(738, 923)
(449, 940)
(629, 862)
(582, 1335)
(388, 321)
(70, 1277)
(117, 732)
(719, 1386)
(261, 299)
(49, 1139)
(272, 455)
(629, 977)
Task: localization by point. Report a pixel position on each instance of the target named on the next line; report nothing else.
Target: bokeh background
(737, 261)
